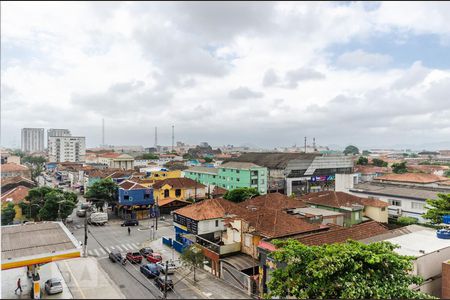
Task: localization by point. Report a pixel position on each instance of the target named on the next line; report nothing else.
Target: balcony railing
(214, 247)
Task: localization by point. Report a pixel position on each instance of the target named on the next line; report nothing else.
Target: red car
(134, 257)
(154, 257)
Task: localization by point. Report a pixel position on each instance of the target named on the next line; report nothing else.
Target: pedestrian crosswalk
(104, 252)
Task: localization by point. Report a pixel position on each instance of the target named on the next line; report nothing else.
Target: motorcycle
(124, 261)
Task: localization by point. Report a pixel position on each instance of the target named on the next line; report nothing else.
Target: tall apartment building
(32, 139)
(230, 176)
(56, 132)
(66, 148)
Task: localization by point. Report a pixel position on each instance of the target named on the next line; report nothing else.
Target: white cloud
(195, 65)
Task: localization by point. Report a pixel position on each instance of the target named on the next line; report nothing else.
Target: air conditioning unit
(399, 211)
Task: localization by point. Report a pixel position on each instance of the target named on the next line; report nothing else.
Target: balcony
(214, 247)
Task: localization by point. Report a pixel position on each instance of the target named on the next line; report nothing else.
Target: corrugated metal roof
(241, 261)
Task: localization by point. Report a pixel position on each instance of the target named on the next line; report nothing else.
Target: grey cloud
(360, 58)
(301, 74)
(125, 87)
(413, 75)
(244, 92)
(270, 78)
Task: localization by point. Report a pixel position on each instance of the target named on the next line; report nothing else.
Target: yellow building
(178, 188)
(16, 195)
(161, 175)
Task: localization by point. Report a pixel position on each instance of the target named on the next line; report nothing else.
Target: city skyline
(344, 73)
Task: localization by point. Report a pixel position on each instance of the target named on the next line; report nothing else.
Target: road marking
(103, 252)
(125, 247)
(96, 252)
(75, 279)
(118, 247)
(135, 246)
(131, 247)
(90, 253)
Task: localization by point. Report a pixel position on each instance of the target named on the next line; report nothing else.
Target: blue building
(134, 200)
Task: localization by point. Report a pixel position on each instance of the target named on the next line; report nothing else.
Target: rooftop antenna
(173, 136)
(103, 132)
(156, 137)
(305, 144)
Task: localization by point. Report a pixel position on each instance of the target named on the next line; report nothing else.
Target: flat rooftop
(317, 211)
(419, 243)
(32, 243)
(399, 190)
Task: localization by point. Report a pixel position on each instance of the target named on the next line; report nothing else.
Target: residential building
(15, 196)
(116, 160)
(413, 179)
(9, 183)
(13, 170)
(230, 176)
(299, 173)
(368, 173)
(32, 140)
(66, 148)
(134, 200)
(179, 188)
(405, 200)
(8, 158)
(429, 251)
(162, 174)
(353, 207)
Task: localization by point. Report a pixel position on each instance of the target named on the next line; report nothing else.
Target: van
(98, 218)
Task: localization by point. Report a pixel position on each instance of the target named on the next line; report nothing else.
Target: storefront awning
(241, 261)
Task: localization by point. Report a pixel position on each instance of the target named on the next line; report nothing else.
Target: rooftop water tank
(443, 234)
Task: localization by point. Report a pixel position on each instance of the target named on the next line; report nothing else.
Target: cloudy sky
(267, 74)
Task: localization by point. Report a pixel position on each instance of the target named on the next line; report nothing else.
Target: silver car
(53, 286)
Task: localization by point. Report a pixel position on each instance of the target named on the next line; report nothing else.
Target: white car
(171, 267)
(53, 286)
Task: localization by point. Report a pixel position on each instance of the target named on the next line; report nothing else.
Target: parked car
(115, 256)
(69, 219)
(171, 267)
(53, 286)
(150, 270)
(98, 218)
(132, 222)
(146, 251)
(154, 257)
(81, 213)
(134, 257)
(85, 205)
(161, 282)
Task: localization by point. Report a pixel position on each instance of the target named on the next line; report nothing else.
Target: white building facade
(67, 148)
(32, 139)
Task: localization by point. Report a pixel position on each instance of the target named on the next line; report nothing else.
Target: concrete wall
(344, 182)
(429, 267)
(445, 280)
(208, 226)
(376, 213)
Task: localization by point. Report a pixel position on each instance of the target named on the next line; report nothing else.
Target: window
(147, 196)
(254, 181)
(166, 193)
(177, 193)
(217, 223)
(247, 240)
(237, 171)
(357, 215)
(126, 197)
(383, 208)
(417, 205)
(395, 202)
(237, 179)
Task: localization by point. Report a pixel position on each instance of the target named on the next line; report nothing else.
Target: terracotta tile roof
(209, 209)
(218, 191)
(109, 155)
(340, 199)
(342, 234)
(412, 178)
(11, 167)
(272, 223)
(427, 168)
(163, 202)
(16, 179)
(273, 201)
(120, 174)
(178, 183)
(15, 195)
(371, 169)
(130, 185)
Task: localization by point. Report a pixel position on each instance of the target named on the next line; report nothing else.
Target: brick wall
(446, 280)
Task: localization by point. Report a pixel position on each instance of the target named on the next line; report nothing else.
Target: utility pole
(85, 236)
(165, 279)
(305, 144)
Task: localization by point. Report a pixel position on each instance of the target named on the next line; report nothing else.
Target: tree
(18, 153)
(399, 168)
(438, 208)
(187, 156)
(101, 192)
(379, 162)
(192, 256)
(351, 150)
(8, 214)
(447, 173)
(362, 161)
(149, 156)
(240, 194)
(366, 152)
(407, 221)
(42, 203)
(36, 164)
(350, 270)
(208, 159)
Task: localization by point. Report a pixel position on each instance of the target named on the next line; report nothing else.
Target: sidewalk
(47, 271)
(87, 280)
